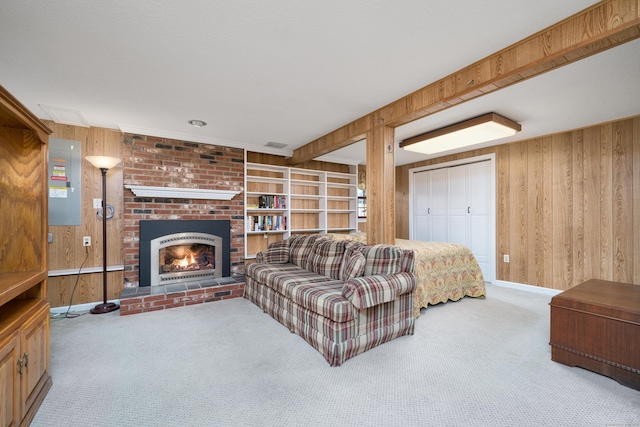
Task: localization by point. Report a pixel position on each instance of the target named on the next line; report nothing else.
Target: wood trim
(600, 27)
(14, 114)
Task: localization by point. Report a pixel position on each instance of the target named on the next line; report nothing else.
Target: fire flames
(185, 262)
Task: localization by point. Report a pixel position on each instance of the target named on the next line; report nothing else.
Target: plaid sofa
(342, 297)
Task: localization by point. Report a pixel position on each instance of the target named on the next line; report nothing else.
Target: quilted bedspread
(444, 271)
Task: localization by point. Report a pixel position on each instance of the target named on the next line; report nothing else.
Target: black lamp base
(104, 308)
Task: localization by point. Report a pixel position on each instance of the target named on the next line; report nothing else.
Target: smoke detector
(275, 144)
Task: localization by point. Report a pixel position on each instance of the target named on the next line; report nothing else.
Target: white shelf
(307, 230)
(292, 182)
(266, 179)
(266, 211)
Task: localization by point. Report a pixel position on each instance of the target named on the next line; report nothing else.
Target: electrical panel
(64, 184)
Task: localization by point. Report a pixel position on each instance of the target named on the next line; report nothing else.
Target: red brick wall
(162, 162)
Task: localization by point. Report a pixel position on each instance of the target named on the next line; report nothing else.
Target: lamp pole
(104, 164)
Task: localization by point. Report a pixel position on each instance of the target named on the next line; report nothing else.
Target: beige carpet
(470, 363)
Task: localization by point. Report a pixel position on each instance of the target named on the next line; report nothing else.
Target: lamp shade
(103, 162)
(485, 128)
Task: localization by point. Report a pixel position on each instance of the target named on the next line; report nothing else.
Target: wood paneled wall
(567, 205)
(66, 251)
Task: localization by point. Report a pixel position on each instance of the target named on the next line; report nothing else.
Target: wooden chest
(596, 326)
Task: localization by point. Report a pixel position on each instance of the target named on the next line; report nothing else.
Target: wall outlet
(505, 257)
(97, 204)
(86, 241)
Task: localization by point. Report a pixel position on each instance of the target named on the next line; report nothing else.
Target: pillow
(326, 257)
(276, 253)
(381, 259)
(300, 246)
(352, 265)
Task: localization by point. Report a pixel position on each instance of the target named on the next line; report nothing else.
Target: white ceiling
(289, 71)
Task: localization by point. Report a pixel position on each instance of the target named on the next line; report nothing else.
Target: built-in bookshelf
(282, 201)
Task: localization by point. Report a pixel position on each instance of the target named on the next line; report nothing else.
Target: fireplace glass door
(184, 257)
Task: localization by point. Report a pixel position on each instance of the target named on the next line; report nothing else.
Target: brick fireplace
(187, 170)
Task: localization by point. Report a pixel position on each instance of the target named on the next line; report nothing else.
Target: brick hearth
(161, 297)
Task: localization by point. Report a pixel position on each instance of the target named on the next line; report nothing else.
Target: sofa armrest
(369, 291)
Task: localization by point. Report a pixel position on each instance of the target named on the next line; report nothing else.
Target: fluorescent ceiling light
(485, 128)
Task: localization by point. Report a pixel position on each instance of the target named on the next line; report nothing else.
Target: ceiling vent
(275, 144)
(65, 116)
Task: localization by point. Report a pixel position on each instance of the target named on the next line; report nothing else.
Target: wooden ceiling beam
(602, 26)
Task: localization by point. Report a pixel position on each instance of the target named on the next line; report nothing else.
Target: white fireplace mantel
(181, 193)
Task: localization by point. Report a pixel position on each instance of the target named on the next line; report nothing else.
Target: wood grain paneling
(622, 228)
(567, 205)
(21, 186)
(66, 251)
(635, 208)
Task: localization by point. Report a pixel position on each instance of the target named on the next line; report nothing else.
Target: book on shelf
(266, 223)
(272, 202)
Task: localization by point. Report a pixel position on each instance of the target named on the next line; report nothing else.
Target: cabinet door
(35, 352)
(9, 382)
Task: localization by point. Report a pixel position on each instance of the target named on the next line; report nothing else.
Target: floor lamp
(104, 163)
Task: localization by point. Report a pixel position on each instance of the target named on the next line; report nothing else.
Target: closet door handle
(428, 211)
(468, 209)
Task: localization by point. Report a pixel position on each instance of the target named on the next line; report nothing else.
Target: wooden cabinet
(596, 326)
(24, 310)
(306, 201)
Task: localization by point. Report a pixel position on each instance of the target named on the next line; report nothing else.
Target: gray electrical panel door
(64, 182)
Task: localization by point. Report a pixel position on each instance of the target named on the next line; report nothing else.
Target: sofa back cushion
(300, 247)
(381, 259)
(327, 256)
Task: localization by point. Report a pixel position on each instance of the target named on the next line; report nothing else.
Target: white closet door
(458, 205)
(455, 204)
(421, 205)
(438, 218)
(480, 208)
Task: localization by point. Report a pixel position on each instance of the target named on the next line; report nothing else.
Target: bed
(444, 271)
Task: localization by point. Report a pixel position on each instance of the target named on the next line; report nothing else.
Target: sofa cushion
(260, 272)
(325, 299)
(300, 247)
(327, 256)
(317, 293)
(283, 281)
(381, 259)
(352, 265)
